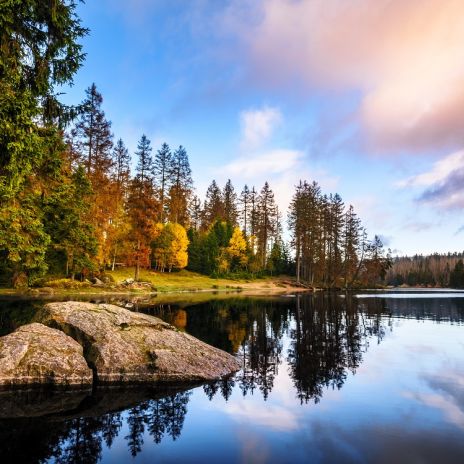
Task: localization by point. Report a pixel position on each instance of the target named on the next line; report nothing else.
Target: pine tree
(253, 218)
(214, 205)
(337, 224)
(94, 143)
(163, 170)
(145, 161)
(39, 50)
(93, 132)
(122, 160)
(266, 222)
(351, 244)
(456, 279)
(142, 208)
(244, 208)
(181, 188)
(230, 203)
(66, 212)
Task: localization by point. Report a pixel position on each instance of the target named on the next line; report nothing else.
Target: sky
(365, 97)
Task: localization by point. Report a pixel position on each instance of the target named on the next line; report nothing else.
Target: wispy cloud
(440, 171)
(258, 126)
(443, 184)
(273, 417)
(447, 194)
(403, 57)
(277, 161)
(259, 159)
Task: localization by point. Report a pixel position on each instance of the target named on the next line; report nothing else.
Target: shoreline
(267, 287)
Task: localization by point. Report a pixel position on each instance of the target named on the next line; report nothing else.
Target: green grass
(182, 286)
(176, 281)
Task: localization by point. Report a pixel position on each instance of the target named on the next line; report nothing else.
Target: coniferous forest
(75, 202)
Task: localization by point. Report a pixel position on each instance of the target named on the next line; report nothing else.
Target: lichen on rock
(36, 354)
(123, 346)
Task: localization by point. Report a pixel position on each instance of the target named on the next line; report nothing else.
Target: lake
(375, 377)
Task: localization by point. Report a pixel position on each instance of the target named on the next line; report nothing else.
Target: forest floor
(170, 283)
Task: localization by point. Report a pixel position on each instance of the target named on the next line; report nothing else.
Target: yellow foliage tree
(170, 247)
(237, 249)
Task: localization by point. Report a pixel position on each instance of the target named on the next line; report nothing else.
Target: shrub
(67, 284)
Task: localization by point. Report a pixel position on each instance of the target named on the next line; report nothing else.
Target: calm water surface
(329, 378)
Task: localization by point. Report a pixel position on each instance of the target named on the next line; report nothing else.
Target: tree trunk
(114, 259)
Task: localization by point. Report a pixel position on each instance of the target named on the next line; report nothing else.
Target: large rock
(36, 354)
(123, 346)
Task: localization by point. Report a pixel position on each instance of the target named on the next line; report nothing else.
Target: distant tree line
(436, 270)
(70, 204)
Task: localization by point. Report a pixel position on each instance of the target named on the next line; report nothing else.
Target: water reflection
(81, 425)
(327, 335)
(314, 343)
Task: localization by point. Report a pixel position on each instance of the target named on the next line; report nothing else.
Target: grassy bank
(165, 283)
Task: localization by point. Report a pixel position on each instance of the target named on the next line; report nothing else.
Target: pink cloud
(404, 57)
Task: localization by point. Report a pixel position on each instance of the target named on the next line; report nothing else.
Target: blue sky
(364, 97)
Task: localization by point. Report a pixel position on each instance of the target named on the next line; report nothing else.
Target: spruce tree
(230, 203)
(266, 223)
(244, 201)
(350, 244)
(214, 205)
(93, 132)
(67, 212)
(39, 50)
(163, 170)
(144, 169)
(122, 160)
(181, 187)
(253, 214)
(143, 209)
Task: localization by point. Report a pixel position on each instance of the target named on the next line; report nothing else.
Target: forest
(74, 202)
(436, 270)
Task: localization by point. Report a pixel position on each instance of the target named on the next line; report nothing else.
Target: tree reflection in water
(80, 439)
(328, 335)
(317, 340)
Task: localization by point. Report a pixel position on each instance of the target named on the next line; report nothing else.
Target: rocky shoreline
(78, 344)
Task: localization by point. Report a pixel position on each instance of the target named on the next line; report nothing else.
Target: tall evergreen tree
(244, 201)
(39, 50)
(67, 222)
(181, 187)
(144, 170)
(93, 132)
(163, 171)
(230, 203)
(143, 209)
(351, 244)
(253, 211)
(95, 144)
(122, 160)
(214, 205)
(335, 254)
(266, 223)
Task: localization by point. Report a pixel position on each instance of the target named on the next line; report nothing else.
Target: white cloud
(258, 126)
(404, 58)
(271, 416)
(444, 183)
(283, 168)
(272, 162)
(439, 172)
(447, 405)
